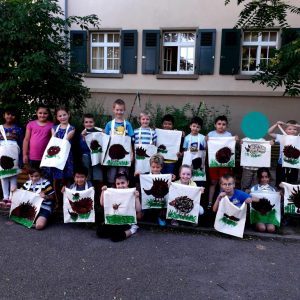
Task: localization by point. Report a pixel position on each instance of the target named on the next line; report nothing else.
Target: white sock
(134, 229)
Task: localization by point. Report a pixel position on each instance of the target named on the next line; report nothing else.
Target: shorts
(94, 172)
(44, 213)
(217, 173)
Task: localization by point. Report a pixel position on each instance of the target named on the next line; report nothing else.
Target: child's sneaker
(174, 222)
(134, 229)
(161, 222)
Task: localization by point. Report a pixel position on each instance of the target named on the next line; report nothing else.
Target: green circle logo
(255, 125)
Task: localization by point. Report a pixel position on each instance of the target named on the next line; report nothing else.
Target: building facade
(174, 52)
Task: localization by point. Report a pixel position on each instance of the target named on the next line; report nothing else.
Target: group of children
(39, 132)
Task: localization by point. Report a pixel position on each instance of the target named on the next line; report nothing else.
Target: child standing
(169, 165)
(237, 197)
(94, 172)
(119, 233)
(195, 141)
(62, 177)
(13, 135)
(118, 126)
(221, 123)
(37, 136)
(37, 183)
(289, 175)
(185, 175)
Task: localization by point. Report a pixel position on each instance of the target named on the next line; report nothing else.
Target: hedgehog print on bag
(53, 150)
(117, 151)
(295, 198)
(25, 210)
(95, 146)
(162, 149)
(6, 162)
(230, 220)
(263, 206)
(159, 189)
(197, 163)
(291, 154)
(82, 206)
(183, 204)
(223, 155)
(140, 153)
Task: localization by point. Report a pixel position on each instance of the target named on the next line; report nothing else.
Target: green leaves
(35, 55)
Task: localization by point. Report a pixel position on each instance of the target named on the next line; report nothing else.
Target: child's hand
(241, 142)
(173, 177)
(183, 134)
(137, 173)
(249, 200)
(42, 195)
(202, 189)
(13, 189)
(25, 159)
(221, 195)
(236, 137)
(179, 154)
(272, 143)
(104, 188)
(84, 133)
(137, 194)
(206, 138)
(280, 123)
(63, 189)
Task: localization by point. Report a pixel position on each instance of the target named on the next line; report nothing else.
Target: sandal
(7, 203)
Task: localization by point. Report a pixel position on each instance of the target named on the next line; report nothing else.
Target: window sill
(177, 76)
(103, 75)
(243, 77)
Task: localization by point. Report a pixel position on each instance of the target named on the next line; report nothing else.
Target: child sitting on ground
(185, 175)
(263, 178)
(237, 197)
(119, 233)
(80, 180)
(38, 184)
(289, 175)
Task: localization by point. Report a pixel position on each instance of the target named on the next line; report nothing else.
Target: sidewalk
(286, 233)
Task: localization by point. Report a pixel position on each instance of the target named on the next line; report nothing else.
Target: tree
(35, 55)
(283, 69)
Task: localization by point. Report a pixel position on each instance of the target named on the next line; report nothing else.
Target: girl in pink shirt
(38, 134)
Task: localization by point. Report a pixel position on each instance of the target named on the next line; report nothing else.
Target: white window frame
(105, 45)
(259, 44)
(179, 45)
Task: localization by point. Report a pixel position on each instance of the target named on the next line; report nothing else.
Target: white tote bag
(57, 151)
(267, 210)
(25, 206)
(291, 151)
(155, 190)
(291, 198)
(119, 206)
(143, 152)
(168, 143)
(184, 203)
(221, 152)
(9, 156)
(255, 154)
(79, 205)
(97, 143)
(231, 219)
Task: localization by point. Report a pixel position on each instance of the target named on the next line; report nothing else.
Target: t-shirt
(145, 136)
(262, 188)
(119, 128)
(216, 134)
(191, 183)
(39, 138)
(238, 197)
(191, 142)
(43, 185)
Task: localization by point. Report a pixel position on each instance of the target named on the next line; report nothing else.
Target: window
(105, 52)
(178, 52)
(257, 49)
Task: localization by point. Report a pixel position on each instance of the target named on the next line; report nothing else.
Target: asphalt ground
(68, 261)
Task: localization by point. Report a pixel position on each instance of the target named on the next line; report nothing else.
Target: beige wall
(241, 96)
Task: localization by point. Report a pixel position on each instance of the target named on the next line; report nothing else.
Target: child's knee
(41, 223)
(271, 228)
(261, 227)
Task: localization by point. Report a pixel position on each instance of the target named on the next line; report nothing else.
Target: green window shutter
(78, 44)
(129, 51)
(151, 52)
(289, 34)
(230, 51)
(205, 51)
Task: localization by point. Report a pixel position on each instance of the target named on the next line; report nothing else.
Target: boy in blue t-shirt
(120, 127)
(237, 197)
